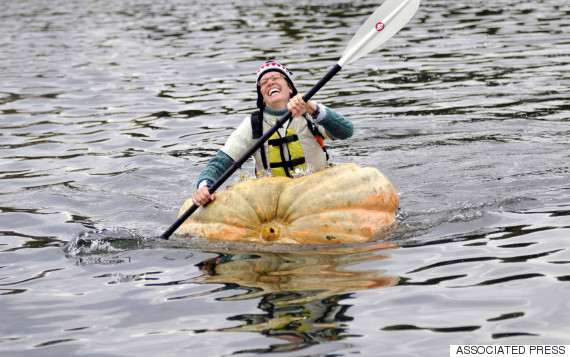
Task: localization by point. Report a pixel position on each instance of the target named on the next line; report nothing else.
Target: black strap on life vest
(313, 128)
(257, 131)
(281, 141)
(290, 163)
(317, 134)
(256, 124)
(284, 163)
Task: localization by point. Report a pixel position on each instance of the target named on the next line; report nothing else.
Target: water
(110, 109)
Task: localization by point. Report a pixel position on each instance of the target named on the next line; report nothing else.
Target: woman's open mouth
(273, 91)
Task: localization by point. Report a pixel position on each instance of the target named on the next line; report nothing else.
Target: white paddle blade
(384, 23)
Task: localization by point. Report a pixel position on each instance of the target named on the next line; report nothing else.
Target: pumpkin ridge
(344, 213)
(354, 222)
(268, 187)
(206, 214)
(251, 208)
(375, 192)
(319, 181)
(215, 230)
(238, 220)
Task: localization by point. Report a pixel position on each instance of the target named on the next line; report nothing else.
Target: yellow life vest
(278, 147)
(301, 147)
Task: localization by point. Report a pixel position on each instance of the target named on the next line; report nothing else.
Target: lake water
(110, 109)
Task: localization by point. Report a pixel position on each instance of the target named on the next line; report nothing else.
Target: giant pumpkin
(342, 204)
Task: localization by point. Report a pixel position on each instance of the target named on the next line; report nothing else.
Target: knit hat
(272, 66)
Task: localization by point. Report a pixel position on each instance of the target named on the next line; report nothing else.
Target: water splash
(104, 241)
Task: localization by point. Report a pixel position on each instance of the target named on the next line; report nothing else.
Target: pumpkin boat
(346, 203)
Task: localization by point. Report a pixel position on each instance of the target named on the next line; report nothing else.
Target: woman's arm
(336, 125)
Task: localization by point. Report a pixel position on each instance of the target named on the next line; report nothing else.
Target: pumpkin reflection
(301, 292)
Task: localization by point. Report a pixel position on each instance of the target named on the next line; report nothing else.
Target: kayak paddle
(384, 23)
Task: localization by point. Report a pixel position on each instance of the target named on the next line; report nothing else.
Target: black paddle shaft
(236, 165)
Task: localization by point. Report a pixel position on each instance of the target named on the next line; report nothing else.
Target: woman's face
(275, 90)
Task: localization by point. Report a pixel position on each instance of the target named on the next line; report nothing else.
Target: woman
(296, 145)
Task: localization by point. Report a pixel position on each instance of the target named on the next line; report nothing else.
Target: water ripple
(110, 109)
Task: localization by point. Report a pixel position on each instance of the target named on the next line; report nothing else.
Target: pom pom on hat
(272, 66)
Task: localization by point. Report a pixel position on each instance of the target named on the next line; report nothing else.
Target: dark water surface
(110, 109)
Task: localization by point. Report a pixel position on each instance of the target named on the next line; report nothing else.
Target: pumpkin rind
(343, 204)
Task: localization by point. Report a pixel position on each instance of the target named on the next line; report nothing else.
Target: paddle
(384, 23)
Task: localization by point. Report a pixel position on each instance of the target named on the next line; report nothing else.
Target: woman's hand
(297, 106)
(202, 196)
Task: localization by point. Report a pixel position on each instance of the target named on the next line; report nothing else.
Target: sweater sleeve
(336, 126)
(236, 145)
(215, 167)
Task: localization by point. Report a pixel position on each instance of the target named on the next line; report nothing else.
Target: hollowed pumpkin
(343, 204)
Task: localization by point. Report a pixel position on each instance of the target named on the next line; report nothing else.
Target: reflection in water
(301, 291)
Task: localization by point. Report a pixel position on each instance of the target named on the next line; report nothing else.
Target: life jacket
(302, 145)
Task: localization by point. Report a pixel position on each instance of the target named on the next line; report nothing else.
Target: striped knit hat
(272, 66)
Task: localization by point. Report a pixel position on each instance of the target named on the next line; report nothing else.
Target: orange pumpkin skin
(342, 204)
